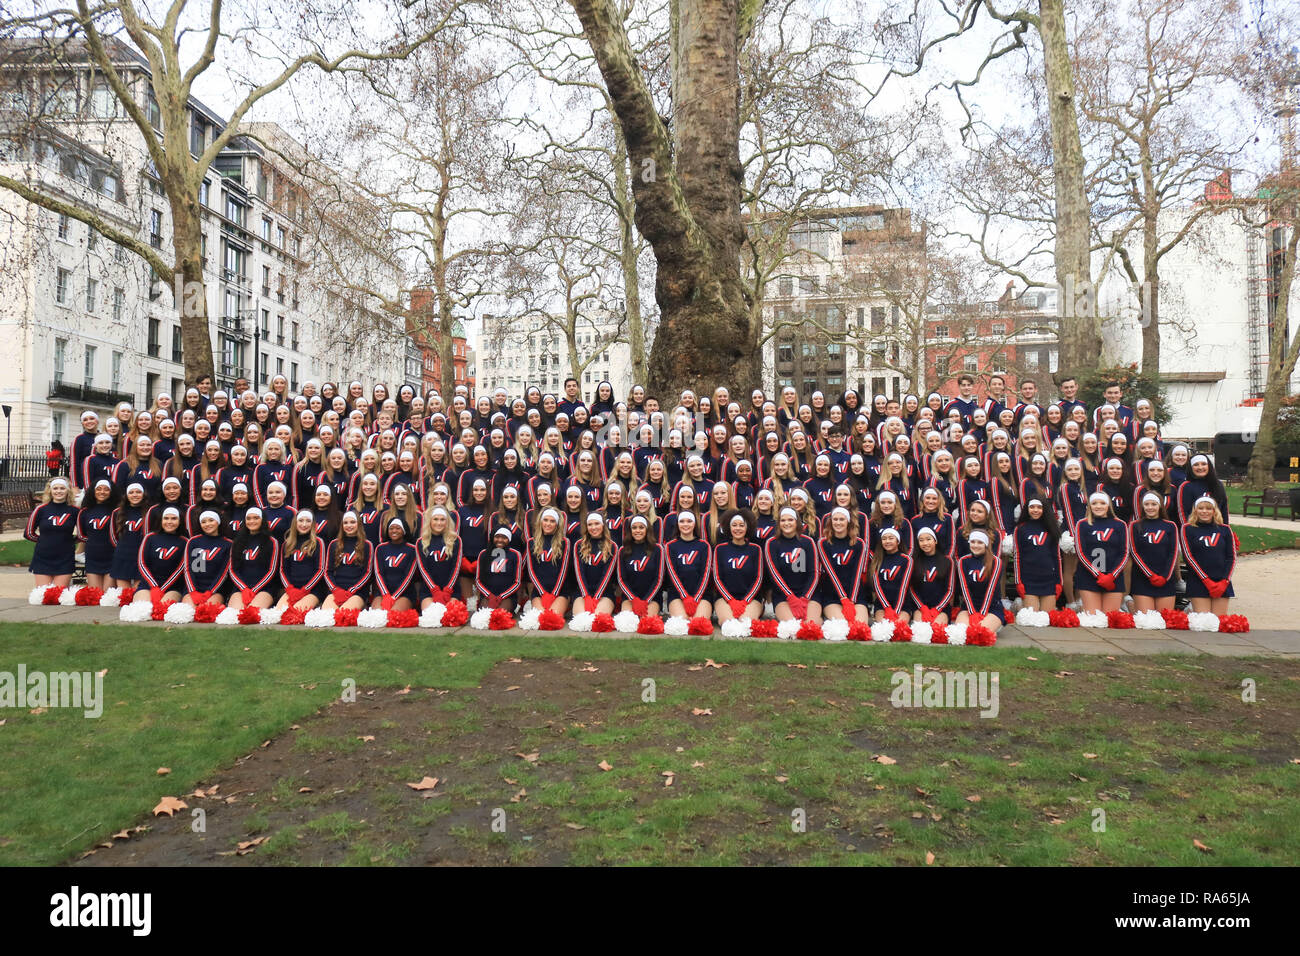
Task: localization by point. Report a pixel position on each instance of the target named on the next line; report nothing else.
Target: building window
(266, 229)
(293, 376)
(970, 363)
(119, 301)
(155, 114)
(234, 211)
(63, 226)
(279, 366)
(92, 293)
(59, 422)
(177, 354)
(155, 228)
(877, 318)
(294, 344)
(279, 236)
(279, 330)
(103, 104)
(941, 331)
(941, 367)
(92, 239)
(62, 278)
(862, 317)
(266, 324)
(151, 386)
(205, 193)
(999, 328)
(263, 368)
(196, 136)
(155, 336)
(785, 353)
(88, 369)
(116, 377)
(60, 358)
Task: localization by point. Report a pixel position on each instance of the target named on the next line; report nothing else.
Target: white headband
(204, 516)
(979, 536)
(170, 511)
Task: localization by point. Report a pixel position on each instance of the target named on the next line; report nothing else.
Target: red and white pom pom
(371, 617)
(431, 616)
(531, 619)
(1093, 619)
(228, 615)
(1028, 617)
(956, 634)
(1202, 621)
(677, 626)
(179, 613)
(922, 632)
(882, 631)
(68, 596)
(788, 630)
(625, 622)
(581, 622)
(111, 598)
(835, 630)
(737, 627)
(1149, 621)
(319, 617)
(136, 612)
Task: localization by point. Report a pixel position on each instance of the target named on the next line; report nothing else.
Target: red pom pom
(250, 615)
(160, 609)
(700, 626)
(295, 594)
(639, 606)
(762, 629)
(207, 612)
(1174, 620)
(293, 615)
(128, 595)
(798, 607)
(341, 595)
(502, 620)
(1119, 620)
(861, 631)
(939, 633)
(928, 614)
(738, 608)
(1159, 580)
(650, 625)
(602, 623)
(809, 631)
(387, 601)
(51, 595)
(902, 632)
(456, 614)
(980, 636)
(89, 597)
(408, 618)
(346, 616)
(1063, 618)
(1233, 624)
(548, 620)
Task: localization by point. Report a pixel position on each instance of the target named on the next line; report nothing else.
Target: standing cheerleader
(254, 564)
(130, 525)
(439, 555)
(594, 564)
(1037, 563)
(207, 561)
(640, 569)
(52, 525)
(95, 530)
(548, 562)
(842, 555)
(394, 570)
(929, 592)
(792, 566)
(1101, 543)
(302, 565)
(689, 563)
(162, 560)
(1153, 542)
(1211, 551)
(1201, 481)
(891, 573)
(738, 571)
(979, 576)
(499, 573)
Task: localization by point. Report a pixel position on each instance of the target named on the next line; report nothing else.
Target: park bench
(1271, 498)
(16, 506)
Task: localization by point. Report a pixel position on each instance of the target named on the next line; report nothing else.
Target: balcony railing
(233, 325)
(88, 395)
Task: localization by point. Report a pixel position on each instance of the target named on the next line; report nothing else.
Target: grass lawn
(16, 552)
(1265, 539)
(521, 725)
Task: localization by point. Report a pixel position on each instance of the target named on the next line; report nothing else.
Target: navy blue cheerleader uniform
(473, 531)
(906, 493)
(95, 528)
(254, 562)
(1037, 562)
(191, 515)
(641, 571)
(1154, 546)
(944, 528)
(951, 501)
(594, 576)
(232, 475)
(53, 527)
(573, 525)
(963, 543)
(743, 494)
(516, 529)
(1100, 545)
(1211, 552)
(931, 585)
(395, 569)
(1072, 504)
(439, 568)
(207, 564)
(304, 572)
(891, 581)
(979, 588)
(126, 542)
(1005, 503)
(689, 566)
(614, 522)
(369, 516)
(549, 571)
(498, 575)
(789, 575)
(269, 472)
(822, 492)
(345, 570)
(764, 528)
(738, 571)
(842, 563)
(305, 476)
(278, 521)
(970, 490)
(143, 474)
(233, 523)
(96, 468)
(162, 559)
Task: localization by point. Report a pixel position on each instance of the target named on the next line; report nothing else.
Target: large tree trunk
(1149, 300)
(1080, 343)
(1281, 365)
(190, 292)
(635, 330)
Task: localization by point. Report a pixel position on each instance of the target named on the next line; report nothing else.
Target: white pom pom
(371, 617)
(228, 615)
(112, 598)
(136, 613)
(530, 620)
(882, 631)
(37, 595)
(1028, 617)
(271, 615)
(1015, 515)
(956, 634)
(179, 613)
(1148, 621)
(625, 622)
(481, 619)
(68, 596)
(581, 622)
(677, 626)
(1092, 619)
(431, 616)
(737, 627)
(837, 630)
(318, 617)
(1076, 605)
(1203, 621)
(1066, 543)
(922, 633)
(788, 630)
(1008, 546)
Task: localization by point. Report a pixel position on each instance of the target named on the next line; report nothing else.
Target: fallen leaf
(710, 662)
(1293, 760)
(103, 672)
(512, 687)
(523, 792)
(304, 790)
(696, 667)
(1064, 674)
(588, 669)
(266, 743)
(670, 775)
(295, 727)
(881, 758)
(1201, 846)
(974, 798)
(403, 691)
(1077, 777)
(509, 781)
(366, 738)
(1031, 658)
(936, 817)
(451, 653)
(698, 763)
(1090, 756)
(531, 758)
(575, 826)
(248, 846)
(122, 835)
(701, 711)
(922, 792)
(514, 660)
(37, 710)
(106, 846)
(929, 858)
(169, 806)
(782, 778)
(918, 815)
(605, 765)
(789, 736)
(1109, 657)
(428, 783)
(800, 667)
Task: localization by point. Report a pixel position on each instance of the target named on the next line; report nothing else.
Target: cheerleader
(1211, 551)
(207, 501)
(891, 573)
(842, 555)
(273, 469)
(1037, 561)
(394, 570)
(594, 564)
(738, 571)
(207, 561)
(95, 531)
(172, 497)
(979, 517)
(240, 502)
(52, 525)
(99, 464)
(933, 514)
(1201, 481)
(439, 556)
(792, 566)
(472, 525)
(254, 564)
(1101, 544)
(979, 576)
(130, 524)
(1153, 542)
(499, 572)
(162, 559)
(640, 569)
(302, 565)
(764, 516)
(929, 591)
(548, 563)
(277, 516)
(689, 564)
(367, 504)
(574, 513)
(325, 513)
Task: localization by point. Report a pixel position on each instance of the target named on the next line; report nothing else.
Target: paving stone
(1167, 646)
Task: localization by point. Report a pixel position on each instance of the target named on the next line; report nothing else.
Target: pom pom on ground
(126, 597)
(677, 626)
(1066, 543)
(160, 609)
(836, 630)
(432, 615)
(37, 594)
(580, 623)
(762, 628)
(372, 617)
(135, 613)
(1174, 620)
(500, 619)
(602, 623)
(346, 616)
(1233, 624)
(252, 614)
(700, 627)
(180, 613)
(902, 632)
(956, 633)
(207, 612)
(650, 625)
(625, 622)
(408, 618)
(228, 616)
(1028, 617)
(882, 631)
(809, 631)
(111, 598)
(786, 630)
(319, 617)
(938, 635)
(293, 616)
(1148, 621)
(528, 621)
(922, 633)
(480, 619)
(456, 615)
(736, 627)
(550, 621)
(1066, 617)
(68, 596)
(860, 631)
(1203, 621)
(89, 597)
(52, 594)
(272, 615)
(980, 636)
(1119, 620)
(1093, 619)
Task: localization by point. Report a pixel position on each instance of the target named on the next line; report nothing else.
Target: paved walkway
(1256, 643)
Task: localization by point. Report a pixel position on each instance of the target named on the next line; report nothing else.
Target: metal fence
(25, 468)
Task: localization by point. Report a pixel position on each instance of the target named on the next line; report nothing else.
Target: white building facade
(516, 353)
